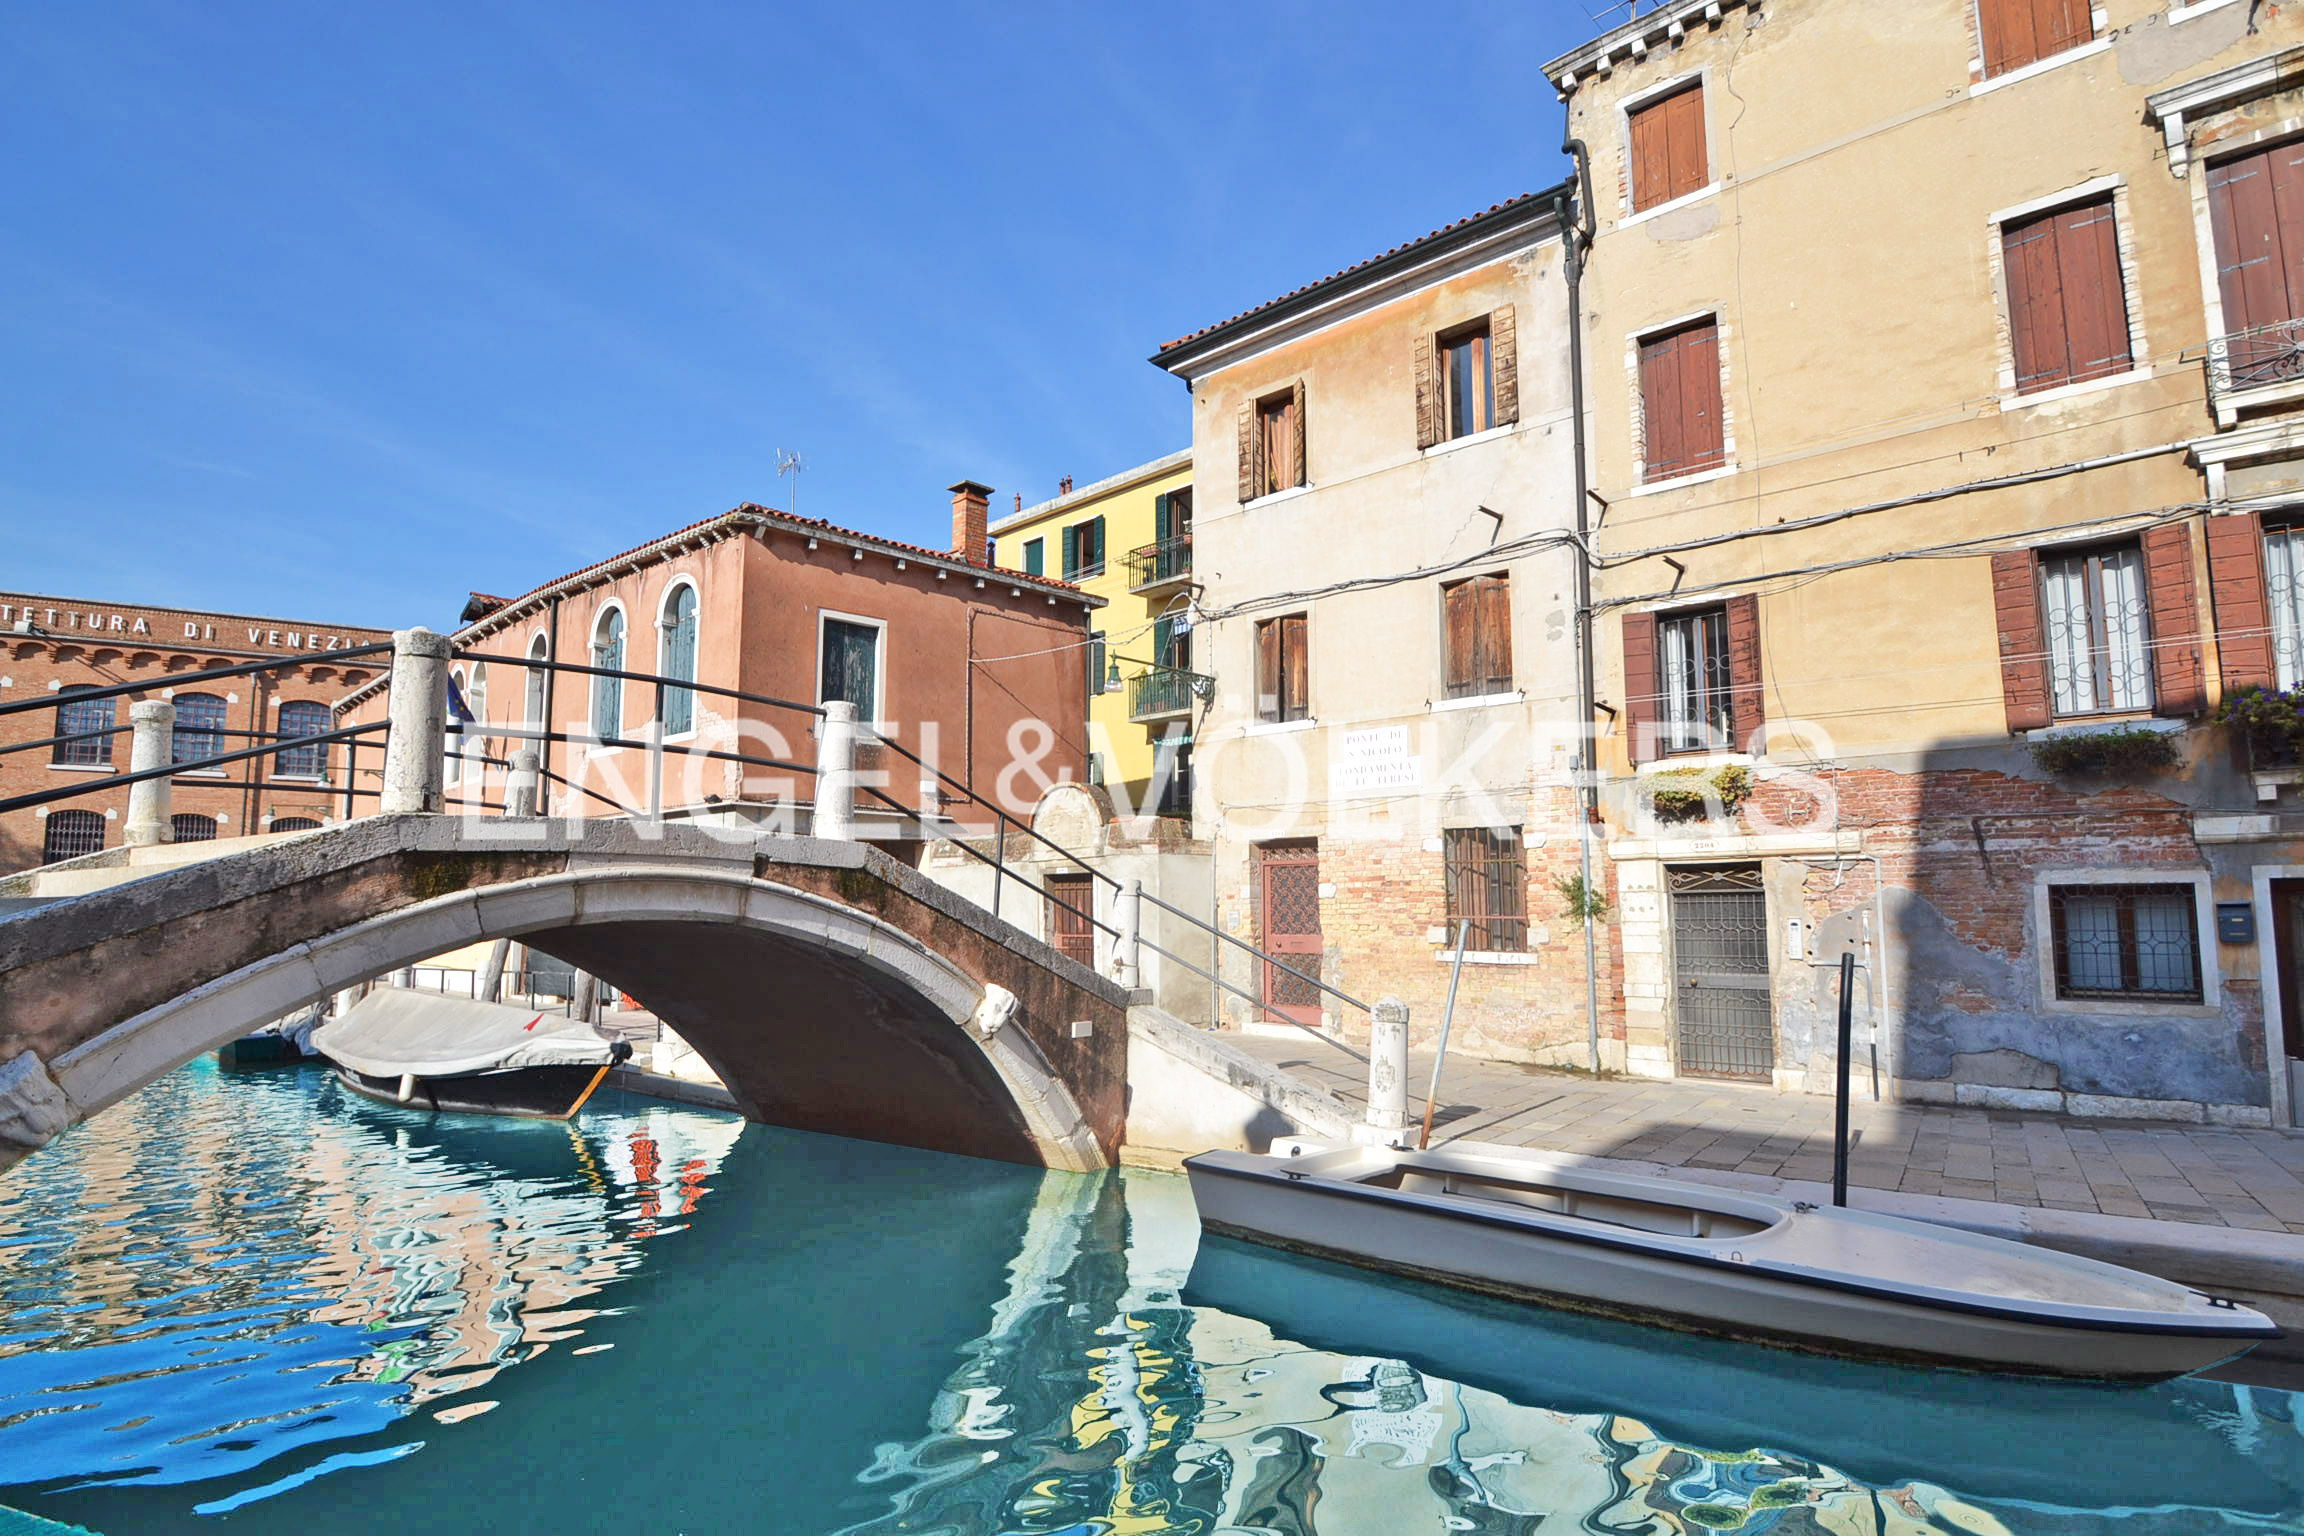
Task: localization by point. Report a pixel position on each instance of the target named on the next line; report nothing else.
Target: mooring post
(1840, 1080)
(488, 985)
(835, 815)
(1128, 917)
(417, 709)
(520, 785)
(584, 1001)
(1388, 1071)
(151, 742)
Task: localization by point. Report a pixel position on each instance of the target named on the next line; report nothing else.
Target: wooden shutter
(2236, 592)
(2179, 683)
(2020, 32)
(1680, 402)
(1295, 659)
(1460, 613)
(1747, 696)
(1268, 670)
(1296, 425)
(1640, 686)
(1662, 439)
(1684, 115)
(2067, 305)
(1163, 519)
(2023, 640)
(1427, 392)
(1071, 565)
(2256, 209)
(1495, 632)
(1251, 449)
(1504, 363)
(2035, 302)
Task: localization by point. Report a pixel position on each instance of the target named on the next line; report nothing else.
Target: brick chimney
(971, 522)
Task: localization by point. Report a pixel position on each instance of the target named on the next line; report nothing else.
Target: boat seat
(1613, 1210)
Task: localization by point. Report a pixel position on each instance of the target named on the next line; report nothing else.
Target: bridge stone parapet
(830, 987)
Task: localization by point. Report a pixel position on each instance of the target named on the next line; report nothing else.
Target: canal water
(253, 1302)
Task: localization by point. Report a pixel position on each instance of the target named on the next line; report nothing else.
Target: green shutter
(1163, 519)
(1035, 558)
(1071, 553)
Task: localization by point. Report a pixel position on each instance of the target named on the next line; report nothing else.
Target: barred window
(2095, 606)
(77, 717)
(185, 827)
(1487, 875)
(294, 824)
(199, 732)
(303, 717)
(70, 834)
(2134, 942)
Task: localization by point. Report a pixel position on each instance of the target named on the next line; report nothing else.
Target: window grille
(2094, 602)
(294, 824)
(309, 760)
(76, 717)
(2135, 942)
(1487, 880)
(70, 834)
(1692, 681)
(185, 827)
(199, 732)
(2283, 566)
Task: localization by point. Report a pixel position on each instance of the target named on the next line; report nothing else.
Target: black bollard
(1840, 1083)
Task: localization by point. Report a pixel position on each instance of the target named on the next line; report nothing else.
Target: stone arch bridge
(831, 987)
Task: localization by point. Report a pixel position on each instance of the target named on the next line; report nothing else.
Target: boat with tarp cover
(408, 1046)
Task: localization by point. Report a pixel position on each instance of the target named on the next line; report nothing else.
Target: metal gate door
(1289, 876)
(1720, 972)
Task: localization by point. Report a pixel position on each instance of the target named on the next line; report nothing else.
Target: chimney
(1064, 486)
(971, 522)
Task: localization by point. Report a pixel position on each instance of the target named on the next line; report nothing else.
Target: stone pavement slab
(2211, 1176)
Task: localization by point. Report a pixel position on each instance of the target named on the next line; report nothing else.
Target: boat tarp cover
(397, 1030)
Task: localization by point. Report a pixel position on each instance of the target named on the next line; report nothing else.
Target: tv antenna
(789, 462)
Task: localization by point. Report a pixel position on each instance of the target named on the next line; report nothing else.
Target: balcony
(2263, 365)
(1164, 564)
(1160, 693)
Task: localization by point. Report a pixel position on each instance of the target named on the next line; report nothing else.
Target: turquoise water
(253, 1302)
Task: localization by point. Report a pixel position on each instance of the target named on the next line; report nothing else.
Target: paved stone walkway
(2205, 1174)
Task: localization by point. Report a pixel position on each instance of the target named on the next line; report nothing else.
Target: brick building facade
(50, 647)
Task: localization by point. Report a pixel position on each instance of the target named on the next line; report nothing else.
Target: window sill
(1089, 574)
(2010, 400)
(1651, 487)
(1696, 762)
(2040, 66)
(1277, 727)
(1490, 957)
(1270, 497)
(2131, 1009)
(83, 767)
(1470, 438)
(2178, 13)
(203, 773)
(1477, 701)
(1669, 205)
(299, 778)
(2096, 725)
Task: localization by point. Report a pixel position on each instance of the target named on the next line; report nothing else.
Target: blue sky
(335, 312)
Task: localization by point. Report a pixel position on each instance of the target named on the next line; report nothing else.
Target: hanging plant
(2124, 749)
(2272, 719)
(1686, 793)
(1582, 900)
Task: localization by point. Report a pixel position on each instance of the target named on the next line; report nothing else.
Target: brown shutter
(2256, 209)
(1427, 393)
(1249, 451)
(1747, 696)
(1295, 656)
(1651, 158)
(1640, 686)
(1297, 424)
(2009, 42)
(1460, 613)
(1268, 670)
(1504, 364)
(1661, 411)
(1496, 633)
(2095, 300)
(2023, 640)
(2035, 302)
(1700, 397)
(2062, 24)
(2178, 678)
(2236, 592)
(1690, 165)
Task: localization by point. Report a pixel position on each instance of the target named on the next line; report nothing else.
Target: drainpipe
(1576, 239)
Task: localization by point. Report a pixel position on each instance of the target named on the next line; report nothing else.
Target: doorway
(2288, 959)
(1288, 902)
(1721, 996)
(1070, 903)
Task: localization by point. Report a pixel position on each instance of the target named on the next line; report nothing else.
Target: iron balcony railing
(2259, 356)
(1159, 693)
(1156, 565)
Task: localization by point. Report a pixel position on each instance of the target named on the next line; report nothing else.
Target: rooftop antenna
(789, 462)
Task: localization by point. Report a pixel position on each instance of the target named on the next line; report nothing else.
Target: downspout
(1576, 239)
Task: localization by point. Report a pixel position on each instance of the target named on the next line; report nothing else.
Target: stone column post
(1128, 917)
(521, 783)
(1388, 1071)
(151, 743)
(835, 816)
(488, 985)
(584, 1002)
(415, 747)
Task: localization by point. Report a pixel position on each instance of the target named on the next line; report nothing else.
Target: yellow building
(1128, 540)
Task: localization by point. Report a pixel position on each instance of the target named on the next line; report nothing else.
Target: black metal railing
(1157, 693)
(1156, 565)
(2257, 357)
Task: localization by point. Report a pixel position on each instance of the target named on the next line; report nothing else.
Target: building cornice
(1110, 485)
(1636, 39)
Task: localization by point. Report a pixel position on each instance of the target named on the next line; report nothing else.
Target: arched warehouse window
(676, 646)
(199, 732)
(185, 827)
(70, 834)
(303, 717)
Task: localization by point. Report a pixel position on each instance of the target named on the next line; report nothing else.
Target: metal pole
(1840, 1081)
(1447, 1021)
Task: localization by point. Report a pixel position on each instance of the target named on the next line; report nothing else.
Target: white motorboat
(1836, 1281)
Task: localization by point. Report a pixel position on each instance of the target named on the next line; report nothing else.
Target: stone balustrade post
(1388, 1071)
(521, 783)
(151, 744)
(835, 813)
(1128, 918)
(416, 746)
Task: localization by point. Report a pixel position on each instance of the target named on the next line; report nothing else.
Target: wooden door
(1070, 899)
(1288, 891)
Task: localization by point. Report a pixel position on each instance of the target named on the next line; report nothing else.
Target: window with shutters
(1486, 869)
(608, 692)
(536, 684)
(1283, 671)
(2014, 33)
(1084, 549)
(1694, 692)
(1467, 378)
(1680, 429)
(676, 657)
(1273, 450)
(75, 720)
(302, 717)
(2284, 596)
(2067, 299)
(2136, 943)
(1467, 384)
(199, 730)
(1035, 557)
(850, 667)
(1476, 618)
(2095, 610)
(1668, 153)
(2256, 214)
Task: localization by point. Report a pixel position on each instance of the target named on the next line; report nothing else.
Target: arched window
(676, 647)
(303, 717)
(608, 692)
(294, 824)
(185, 827)
(77, 717)
(70, 834)
(532, 714)
(199, 729)
(476, 744)
(452, 748)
